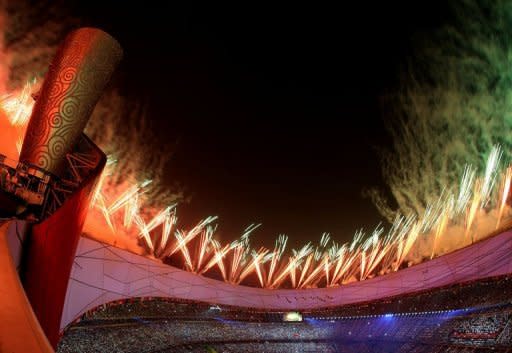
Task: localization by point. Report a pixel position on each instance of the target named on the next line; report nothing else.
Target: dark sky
(276, 110)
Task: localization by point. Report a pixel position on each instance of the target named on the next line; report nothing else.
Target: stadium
(436, 283)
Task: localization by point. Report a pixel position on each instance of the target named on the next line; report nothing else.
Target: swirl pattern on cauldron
(75, 81)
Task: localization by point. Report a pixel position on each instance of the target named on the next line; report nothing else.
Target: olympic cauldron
(51, 184)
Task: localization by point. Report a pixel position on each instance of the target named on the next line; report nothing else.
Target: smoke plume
(453, 105)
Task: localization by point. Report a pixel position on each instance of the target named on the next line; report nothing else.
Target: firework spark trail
(312, 261)
(126, 196)
(337, 254)
(98, 192)
(321, 248)
(218, 258)
(504, 194)
(305, 268)
(131, 210)
(123, 210)
(316, 275)
(145, 229)
(452, 107)
(321, 272)
(355, 268)
(293, 262)
(327, 269)
(351, 268)
(466, 93)
(407, 225)
(471, 213)
(363, 249)
(398, 230)
(145, 235)
(169, 223)
(334, 252)
(104, 210)
(465, 186)
(405, 244)
(19, 106)
(160, 219)
(180, 237)
(346, 258)
(441, 226)
(19, 144)
(191, 234)
(379, 249)
(389, 243)
(277, 253)
(124, 199)
(258, 258)
(204, 243)
(379, 253)
(439, 230)
(433, 213)
(240, 250)
(490, 174)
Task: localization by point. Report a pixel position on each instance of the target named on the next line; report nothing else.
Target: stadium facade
(102, 273)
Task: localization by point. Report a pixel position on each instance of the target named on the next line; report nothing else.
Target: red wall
(50, 254)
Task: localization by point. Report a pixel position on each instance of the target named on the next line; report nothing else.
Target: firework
(258, 259)
(504, 194)
(375, 249)
(218, 258)
(121, 207)
(466, 183)
(491, 170)
(204, 245)
(443, 222)
(472, 210)
(311, 267)
(405, 244)
(240, 251)
(276, 255)
(293, 262)
(19, 106)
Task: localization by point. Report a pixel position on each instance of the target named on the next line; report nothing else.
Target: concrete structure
(102, 273)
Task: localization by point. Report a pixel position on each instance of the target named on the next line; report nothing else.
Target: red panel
(50, 255)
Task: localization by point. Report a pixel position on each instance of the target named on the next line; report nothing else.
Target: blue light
(388, 315)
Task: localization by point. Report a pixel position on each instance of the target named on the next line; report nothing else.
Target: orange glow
(118, 217)
(15, 109)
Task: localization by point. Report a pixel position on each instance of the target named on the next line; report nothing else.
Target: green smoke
(453, 105)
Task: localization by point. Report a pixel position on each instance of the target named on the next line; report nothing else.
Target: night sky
(276, 113)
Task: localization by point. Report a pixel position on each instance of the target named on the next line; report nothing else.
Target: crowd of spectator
(485, 292)
(472, 317)
(142, 335)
